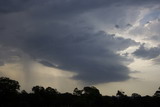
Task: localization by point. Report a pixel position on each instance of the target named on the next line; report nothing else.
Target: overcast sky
(111, 44)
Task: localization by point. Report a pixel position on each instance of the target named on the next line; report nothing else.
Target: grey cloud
(57, 6)
(149, 27)
(117, 26)
(48, 64)
(145, 53)
(155, 38)
(47, 31)
(156, 60)
(127, 25)
(1, 63)
(9, 55)
(91, 55)
(9, 6)
(65, 6)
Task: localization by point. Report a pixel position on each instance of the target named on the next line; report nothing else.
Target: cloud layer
(57, 33)
(147, 53)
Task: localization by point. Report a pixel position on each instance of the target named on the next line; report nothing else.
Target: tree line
(89, 96)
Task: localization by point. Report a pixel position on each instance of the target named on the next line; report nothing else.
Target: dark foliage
(8, 86)
(87, 97)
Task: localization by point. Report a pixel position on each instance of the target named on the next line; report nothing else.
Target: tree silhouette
(77, 92)
(38, 89)
(135, 95)
(87, 97)
(24, 92)
(157, 93)
(91, 91)
(8, 86)
(120, 94)
(51, 91)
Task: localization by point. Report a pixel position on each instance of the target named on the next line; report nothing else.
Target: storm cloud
(65, 6)
(91, 55)
(56, 34)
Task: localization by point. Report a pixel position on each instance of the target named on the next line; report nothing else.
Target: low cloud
(147, 53)
(56, 33)
(91, 55)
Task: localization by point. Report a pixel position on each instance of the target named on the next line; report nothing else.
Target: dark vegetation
(10, 96)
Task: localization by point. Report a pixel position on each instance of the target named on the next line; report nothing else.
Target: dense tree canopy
(87, 97)
(8, 86)
(91, 91)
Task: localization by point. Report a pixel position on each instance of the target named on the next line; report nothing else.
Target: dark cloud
(8, 6)
(1, 63)
(123, 27)
(91, 55)
(129, 25)
(145, 53)
(56, 6)
(81, 51)
(54, 34)
(117, 26)
(65, 6)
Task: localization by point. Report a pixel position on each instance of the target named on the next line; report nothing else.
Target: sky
(110, 44)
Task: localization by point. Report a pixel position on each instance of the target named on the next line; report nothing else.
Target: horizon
(22, 91)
